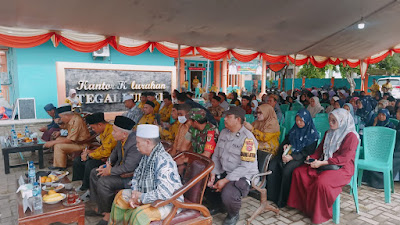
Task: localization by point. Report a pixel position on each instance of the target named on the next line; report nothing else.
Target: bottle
(14, 139)
(37, 197)
(31, 173)
(27, 134)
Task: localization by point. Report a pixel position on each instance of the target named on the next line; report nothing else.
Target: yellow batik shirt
(140, 105)
(107, 144)
(156, 107)
(165, 113)
(170, 134)
(267, 142)
(147, 119)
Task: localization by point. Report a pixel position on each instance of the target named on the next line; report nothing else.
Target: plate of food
(53, 177)
(52, 197)
(55, 186)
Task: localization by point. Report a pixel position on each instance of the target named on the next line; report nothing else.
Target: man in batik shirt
(202, 134)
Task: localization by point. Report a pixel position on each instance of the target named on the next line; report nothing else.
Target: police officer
(235, 159)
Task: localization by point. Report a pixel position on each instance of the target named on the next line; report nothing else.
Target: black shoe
(231, 220)
(102, 222)
(215, 211)
(56, 168)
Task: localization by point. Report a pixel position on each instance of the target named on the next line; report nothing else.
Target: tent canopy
(318, 28)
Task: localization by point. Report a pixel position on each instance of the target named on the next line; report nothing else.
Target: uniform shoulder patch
(249, 151)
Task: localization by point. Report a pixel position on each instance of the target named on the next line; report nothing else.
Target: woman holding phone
(316, 186)
(300, 142)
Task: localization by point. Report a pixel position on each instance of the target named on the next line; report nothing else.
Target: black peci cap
(95, 118)
(124, 122)
(63, 109)
(150, 104)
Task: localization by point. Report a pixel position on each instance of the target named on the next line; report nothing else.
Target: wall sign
(197, 68)
(102, 89)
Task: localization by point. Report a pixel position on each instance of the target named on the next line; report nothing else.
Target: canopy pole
(294, 73)
(263, 76)
(179, 68)
(208, 76)
(224, 74)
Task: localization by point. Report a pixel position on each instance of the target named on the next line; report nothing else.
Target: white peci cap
(336, 98)
(126, 97)
(147, 131)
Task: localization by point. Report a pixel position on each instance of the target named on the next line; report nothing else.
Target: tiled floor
(373, 209)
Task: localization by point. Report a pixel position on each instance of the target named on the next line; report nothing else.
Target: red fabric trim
(131, 51)
(352, 65)
(316, 63)
(336, 62)
(277, 67)
(83, 46)
(377, 59)
(212, 55)
(274, 59)
(244, 58)
(172, 52)
(299, 62)
(24, 42)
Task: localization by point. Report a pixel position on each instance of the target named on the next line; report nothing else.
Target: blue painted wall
(203, 82)
(313, 83)
(34, 71)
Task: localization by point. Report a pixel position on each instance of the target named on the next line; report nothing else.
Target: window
(200, 64)
(185, 64)
(192, 64)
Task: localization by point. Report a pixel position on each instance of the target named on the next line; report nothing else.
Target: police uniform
(236, 156)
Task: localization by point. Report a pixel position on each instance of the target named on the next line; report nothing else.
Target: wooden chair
(194, 170)
(263, 161)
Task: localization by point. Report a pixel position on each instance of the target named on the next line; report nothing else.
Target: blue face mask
(182, 119)
(229, 100)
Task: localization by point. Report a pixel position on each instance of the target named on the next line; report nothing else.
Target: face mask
(229, 100)
(182, 119)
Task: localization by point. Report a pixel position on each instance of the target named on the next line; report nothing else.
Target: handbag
(328, 167)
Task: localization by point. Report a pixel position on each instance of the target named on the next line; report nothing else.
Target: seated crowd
(131, 168)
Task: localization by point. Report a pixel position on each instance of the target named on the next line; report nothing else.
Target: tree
(347, 70)
(391, 64)
(310, 71)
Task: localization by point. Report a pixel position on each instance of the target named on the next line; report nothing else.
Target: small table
(24, 147)
(52, 213)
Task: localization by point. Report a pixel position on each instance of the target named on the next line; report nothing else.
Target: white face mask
(182, 119)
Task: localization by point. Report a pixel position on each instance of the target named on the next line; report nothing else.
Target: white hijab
(316, 109)
(255, 102)
(334, 138)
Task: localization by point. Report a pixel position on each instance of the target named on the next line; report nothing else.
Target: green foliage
(391, 64)
(347, 69)
(310, 71)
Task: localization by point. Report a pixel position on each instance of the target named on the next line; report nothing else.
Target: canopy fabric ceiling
(307, 27)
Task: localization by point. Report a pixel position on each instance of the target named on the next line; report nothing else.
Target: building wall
(34, 70)
(203, 82)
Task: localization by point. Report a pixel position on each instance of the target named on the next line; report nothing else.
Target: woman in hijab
(302, 140)
(349, 107)
(315, 107)
(382, 119)
(265, 129)
(316, 185)
(72, 99)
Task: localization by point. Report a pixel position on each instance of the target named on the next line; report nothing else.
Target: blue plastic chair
(284, 108)
(394, 121)
(353, 190)
(322, 125)
(249, 118)
(221, 125)
(378, 144)
(322, 115)
(290, 119)
(297, 106)
(283, 134)
(325, 105)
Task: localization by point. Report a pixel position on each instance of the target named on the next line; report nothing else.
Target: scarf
(316, 109)
(334, 138)
(301, 137)
(385, 123)
(352, 112)
(270, 123)
(147, 169)
(255, 102)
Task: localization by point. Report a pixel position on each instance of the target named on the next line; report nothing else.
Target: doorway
(199, 75)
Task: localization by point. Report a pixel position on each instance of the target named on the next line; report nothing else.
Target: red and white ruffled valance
(26, 38)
